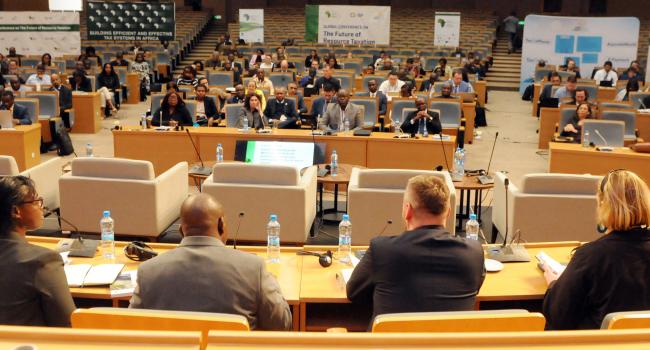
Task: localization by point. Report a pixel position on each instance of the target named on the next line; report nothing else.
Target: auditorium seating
(369, 187)
(564, 197)
(141, 204)
(45, 176)
(460, 321)
(261, 190)
(627, 320)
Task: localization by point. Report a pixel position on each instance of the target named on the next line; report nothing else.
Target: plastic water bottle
(143, 121)
(334, 165)
(459, 161)
(89, 150)
(425, 132)
(219, 153)
(472, 227)
(396, 126)
(195, 125)
(245, 128)
(108, 236)
(273, 240)
(345, 239)
(346, 125)
(585, 139)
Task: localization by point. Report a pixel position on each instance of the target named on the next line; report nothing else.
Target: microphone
(605, 148)
(508, 252)
(78, 246)
(454, 176)
(198, 170)
(486, 178)
(506, 183)
(234, 239)
(388, 223)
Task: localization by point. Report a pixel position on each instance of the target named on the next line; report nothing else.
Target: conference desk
(23, 143)
(133, 88)
(379, 150)
(604, 94)
(575, 159)
(87, 112)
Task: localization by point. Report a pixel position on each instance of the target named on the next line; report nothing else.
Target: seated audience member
(251, 89)
(262, 82)
(631, 86)
(606, 74)
(12, 69)
(580, 96)
(79, 82)
(574, 127)
(292, 90)
(198, 66)
(313, 57)
(235, 65)
(388, 66)
(424, 269)
(320, 104)
(405, 91)
(379, 62)
(555, 80)
(572, 68)
(285, 67)
(457, 83)
(14, 56)
(402, 74)
(227, 67)
(282, 112)
(172, 112)
(373, 91)
(20, 114)
(328, 79)
(254, 112)
(267, 63)
(416, 121)
(343, 110)
(568, 90)
(392, 85)
(65, 99)
(107, 83)
(17, 88)
(634, 71)
(442, 69)
(308, 82)
(204, 275)
(119, 60)
(239, 95)
(427, 85)
(39, 78)
(206, 109)
(257, 58)
(219, 92)
(611, 273)
(214, 61)
(34, 287)
(143, 69)
(279, 54)
(90, 53)
(445, 91)
(188, 77)
(333, 63)
(414, 69)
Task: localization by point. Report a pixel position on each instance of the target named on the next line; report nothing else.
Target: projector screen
(66, 5)
(298, 154)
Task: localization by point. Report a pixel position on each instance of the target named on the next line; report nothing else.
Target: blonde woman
(611, 273)
(251, 89)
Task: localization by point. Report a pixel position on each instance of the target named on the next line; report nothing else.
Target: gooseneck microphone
(388, 223)
(78, 246)
(200, 170)
(506, 183)
(234, 239)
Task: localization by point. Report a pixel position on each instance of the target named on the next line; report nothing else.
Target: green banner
(39, 27)
(311, 23)
(250, 152)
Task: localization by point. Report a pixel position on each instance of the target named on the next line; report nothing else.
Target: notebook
(85, 275)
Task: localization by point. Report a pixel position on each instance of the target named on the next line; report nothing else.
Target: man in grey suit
(202, 274)
(338, 113)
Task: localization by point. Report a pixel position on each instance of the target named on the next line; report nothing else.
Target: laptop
(6, 120)
(550, 102)
(606, 83)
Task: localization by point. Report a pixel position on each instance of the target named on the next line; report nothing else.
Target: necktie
(421, 127)
(342, 122)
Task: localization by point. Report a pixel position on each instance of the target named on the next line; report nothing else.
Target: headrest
(389, 178)
(113, 168)
(560, 184)
(256, 174)
(8, 166)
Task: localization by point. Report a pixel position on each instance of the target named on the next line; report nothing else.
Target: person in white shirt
(606, 74)
(39, 78)
(391, 86)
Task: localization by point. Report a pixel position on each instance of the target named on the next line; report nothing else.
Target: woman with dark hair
(198, 66)
(107, 82)
(313, 56)
(90, 53)
(172, 112)
(253, 111)
(631, 86)
(79, 82)
(46, 60)
(33, 289)
(257, 57)
(574, 127)
(333, 63)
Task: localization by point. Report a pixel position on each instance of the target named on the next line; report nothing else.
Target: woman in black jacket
(172, 112)
(79, 82)
(612, 273)
(107, 82)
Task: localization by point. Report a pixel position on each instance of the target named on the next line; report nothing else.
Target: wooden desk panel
(23, 144)
(643, 125)
(548, 117)
(425, 154)
(87, 113)
(481, 91)
(537, 90)
(607, 93)
(574, 159)
(469, 112)
(133, 88)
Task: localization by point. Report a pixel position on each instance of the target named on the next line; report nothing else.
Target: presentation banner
(131, 20)
(347, 25)
(35, 33)
(590, 41)
(446, 31)
(251, 25)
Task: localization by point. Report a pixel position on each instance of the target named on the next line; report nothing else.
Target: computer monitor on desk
(300, 154)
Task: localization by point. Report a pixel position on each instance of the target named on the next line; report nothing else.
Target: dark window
(597, 7)
(552, 5)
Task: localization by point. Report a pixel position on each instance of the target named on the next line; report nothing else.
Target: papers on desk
(125, 284)
(84, 275)
(163, 128)
(442, 137)
(551, 263)
(64, 257)
(345, 274)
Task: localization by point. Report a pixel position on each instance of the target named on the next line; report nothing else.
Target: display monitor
(298, 154)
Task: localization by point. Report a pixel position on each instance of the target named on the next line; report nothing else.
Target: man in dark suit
(293, 91)
(282, 111)
(206, 108)
(416, 121)
(425, 268)
(374, 92)
(20, 114)
(202, 274)
(319, 105)
(327, 79)
(65, 98)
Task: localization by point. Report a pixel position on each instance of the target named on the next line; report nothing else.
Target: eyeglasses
(38, 200)
(606, 178)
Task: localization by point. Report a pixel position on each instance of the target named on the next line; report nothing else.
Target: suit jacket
(204, 275)
(65, 97)
(383, 101)
(423, 270)
(85, 85)
(607, 275)
(275, 109)
(210, 107)
(333, 81)
(21, 113)
(433, 125)
(255, 120)
(332, 117)
(33, 288)
(319, 106)
(302, 108)
(426, 85)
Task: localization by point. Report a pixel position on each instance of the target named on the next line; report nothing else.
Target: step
(509, 69)
(503, 79)
(503, 74)
(503, 86)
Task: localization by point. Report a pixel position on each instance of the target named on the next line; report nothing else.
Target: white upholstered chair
(547, 207)
(45, 175)
(376, 196)
(260, 190)
(140, 203)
